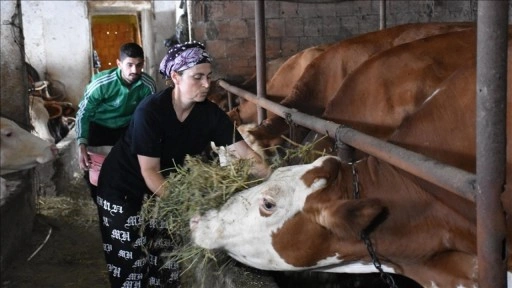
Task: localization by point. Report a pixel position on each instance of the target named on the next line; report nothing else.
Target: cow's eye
(267, 206)
(6, 132)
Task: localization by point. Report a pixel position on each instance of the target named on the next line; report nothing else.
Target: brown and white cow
(280, 84)
(324, 76)
(307, 216)
(385, 89)
(219, 95)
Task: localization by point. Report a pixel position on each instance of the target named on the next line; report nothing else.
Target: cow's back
(280, 84)
(388, 87)
(444, 128)
(289, 72)
(324, 76)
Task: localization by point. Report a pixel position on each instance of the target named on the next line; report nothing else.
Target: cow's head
(296, 219)
(20, 149)
(218, 95)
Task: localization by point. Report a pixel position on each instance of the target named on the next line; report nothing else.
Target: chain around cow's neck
(364, 235)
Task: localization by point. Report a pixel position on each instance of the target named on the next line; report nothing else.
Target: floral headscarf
(183, 56)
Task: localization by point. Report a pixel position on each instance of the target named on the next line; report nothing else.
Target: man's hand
(83, 158)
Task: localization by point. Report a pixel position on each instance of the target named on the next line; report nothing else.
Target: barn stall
(220, 25)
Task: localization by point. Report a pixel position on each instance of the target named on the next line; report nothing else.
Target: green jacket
(108, 102)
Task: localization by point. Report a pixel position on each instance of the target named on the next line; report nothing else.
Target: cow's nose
(55, 150)
(194, 221)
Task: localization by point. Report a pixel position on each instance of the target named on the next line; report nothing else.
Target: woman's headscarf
(183, 56)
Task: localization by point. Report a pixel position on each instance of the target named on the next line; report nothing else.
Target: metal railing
(450, 178)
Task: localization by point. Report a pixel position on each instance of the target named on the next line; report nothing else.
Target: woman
(165, 127)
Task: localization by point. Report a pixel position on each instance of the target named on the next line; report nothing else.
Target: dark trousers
(134, 259)
(100, 135)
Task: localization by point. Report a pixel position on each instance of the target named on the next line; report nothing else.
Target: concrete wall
(57, 33)
(58, 37)
(17, 212)
(164, 27)
(13, 85)
(57, 43)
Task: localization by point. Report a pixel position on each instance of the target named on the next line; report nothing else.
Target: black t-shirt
(155, 131)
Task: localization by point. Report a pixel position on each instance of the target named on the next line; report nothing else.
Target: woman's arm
(150, 169)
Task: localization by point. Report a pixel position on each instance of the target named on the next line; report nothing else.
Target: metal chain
(364, 236)
(355, 181)
(291, 124)
(376, 262)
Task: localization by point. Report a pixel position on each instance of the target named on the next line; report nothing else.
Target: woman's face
(194, 82)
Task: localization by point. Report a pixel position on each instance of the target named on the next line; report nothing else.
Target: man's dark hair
(132, 50)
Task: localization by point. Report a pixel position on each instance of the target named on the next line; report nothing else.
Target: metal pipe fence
(450, 178)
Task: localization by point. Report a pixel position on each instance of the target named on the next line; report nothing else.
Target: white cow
(39, 118)
(20, 150)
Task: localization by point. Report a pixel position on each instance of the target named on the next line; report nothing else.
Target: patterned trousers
(134, 260)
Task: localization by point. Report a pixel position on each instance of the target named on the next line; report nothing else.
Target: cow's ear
(348, 218)
(328, 170)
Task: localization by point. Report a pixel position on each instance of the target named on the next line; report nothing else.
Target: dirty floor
(72, 255)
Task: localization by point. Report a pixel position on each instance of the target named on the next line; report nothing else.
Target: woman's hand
(150, 169)
(241, 149)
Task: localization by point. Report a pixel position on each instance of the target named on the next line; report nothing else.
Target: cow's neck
(417, 226)
(401, 191)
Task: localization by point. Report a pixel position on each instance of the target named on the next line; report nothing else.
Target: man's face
(131, 69)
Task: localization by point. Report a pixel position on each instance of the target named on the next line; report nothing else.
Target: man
(109, 102)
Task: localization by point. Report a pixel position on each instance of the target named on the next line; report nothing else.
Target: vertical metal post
(230, 101)
(382, 14)
(492, 34)
(190, 18)
(260, 56)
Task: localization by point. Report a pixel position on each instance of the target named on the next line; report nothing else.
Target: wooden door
(109, 32)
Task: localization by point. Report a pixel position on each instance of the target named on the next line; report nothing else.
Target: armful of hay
(196, 187)
(241, 150)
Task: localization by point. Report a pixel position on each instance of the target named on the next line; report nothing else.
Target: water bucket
(94, 169)
(97, 156)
